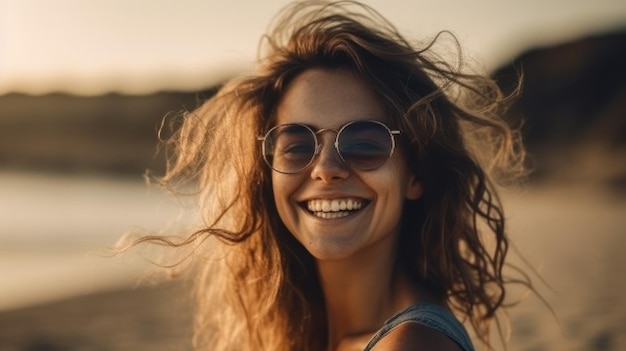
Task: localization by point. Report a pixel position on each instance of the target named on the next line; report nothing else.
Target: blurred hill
(102, 134)
(573, 105)
(573, 108)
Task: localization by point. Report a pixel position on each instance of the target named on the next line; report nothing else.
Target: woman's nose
(329, 167)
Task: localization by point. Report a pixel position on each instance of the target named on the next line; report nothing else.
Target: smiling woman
(332, 100)
(349, 185)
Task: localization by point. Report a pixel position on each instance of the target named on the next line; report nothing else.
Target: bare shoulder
(413, 337)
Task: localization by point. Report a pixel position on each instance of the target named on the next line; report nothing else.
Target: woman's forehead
(329, 99)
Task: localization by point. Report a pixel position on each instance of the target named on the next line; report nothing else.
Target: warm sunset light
(91, 47)
(98, 98)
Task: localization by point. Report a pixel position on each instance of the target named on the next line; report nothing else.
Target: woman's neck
(361, 292)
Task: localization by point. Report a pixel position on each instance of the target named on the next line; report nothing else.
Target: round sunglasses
(363, 145)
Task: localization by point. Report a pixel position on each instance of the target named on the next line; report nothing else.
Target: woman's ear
(414, 188)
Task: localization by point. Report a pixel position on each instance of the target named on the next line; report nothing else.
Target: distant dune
(101, 134)
(573, 106)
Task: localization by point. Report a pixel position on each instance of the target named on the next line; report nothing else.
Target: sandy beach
(572, 235)
(142, 318)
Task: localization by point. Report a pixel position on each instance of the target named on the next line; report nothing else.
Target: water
(56, 230)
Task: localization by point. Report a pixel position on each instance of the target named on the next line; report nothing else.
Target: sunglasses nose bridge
(319, 140)
(330, 141)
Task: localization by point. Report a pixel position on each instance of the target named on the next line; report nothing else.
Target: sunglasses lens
(365, 145)
(289, 148)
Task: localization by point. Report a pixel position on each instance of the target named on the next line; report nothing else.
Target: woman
(348, 183)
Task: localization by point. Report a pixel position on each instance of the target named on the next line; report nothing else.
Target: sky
(90, 47)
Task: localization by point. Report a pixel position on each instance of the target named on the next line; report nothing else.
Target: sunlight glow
(90, 47)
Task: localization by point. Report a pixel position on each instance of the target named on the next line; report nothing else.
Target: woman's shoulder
(414, 336)
(427, 326)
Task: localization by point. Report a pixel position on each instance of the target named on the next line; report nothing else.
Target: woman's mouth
(335, 208)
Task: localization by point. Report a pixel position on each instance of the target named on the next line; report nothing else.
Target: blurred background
(84, 86)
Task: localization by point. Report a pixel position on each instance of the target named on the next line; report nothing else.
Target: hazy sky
(139, 46)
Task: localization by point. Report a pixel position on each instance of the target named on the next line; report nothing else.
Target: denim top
(429, 315)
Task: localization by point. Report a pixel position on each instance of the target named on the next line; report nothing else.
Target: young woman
(348, 186)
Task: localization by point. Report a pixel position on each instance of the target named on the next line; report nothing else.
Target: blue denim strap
(429, 315)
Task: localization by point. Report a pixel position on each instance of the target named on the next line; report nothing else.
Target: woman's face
(325, 99)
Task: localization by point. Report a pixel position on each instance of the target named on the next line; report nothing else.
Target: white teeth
(330, 215)
(333, 208)
(326, 205)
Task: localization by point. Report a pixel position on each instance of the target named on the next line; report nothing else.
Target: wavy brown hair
(256, 286)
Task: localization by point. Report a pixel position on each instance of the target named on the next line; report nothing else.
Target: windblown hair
(257, 287)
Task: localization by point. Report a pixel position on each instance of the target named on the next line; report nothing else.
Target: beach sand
(155, 317)
(573, 236)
